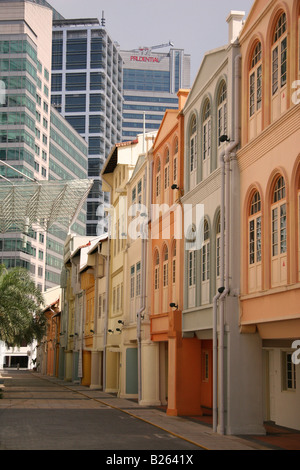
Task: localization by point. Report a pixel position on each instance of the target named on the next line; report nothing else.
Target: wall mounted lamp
(224, 138)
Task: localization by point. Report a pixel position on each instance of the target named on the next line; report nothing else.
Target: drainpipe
(226, 290)
(143, 299)
(107, 302)
(215, 301)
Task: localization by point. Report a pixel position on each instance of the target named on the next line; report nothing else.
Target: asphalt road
(36, 414)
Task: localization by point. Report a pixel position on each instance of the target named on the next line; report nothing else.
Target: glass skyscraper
(87, 91)
(34, 139)
(151, 81)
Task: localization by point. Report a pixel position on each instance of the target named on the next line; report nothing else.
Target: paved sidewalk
(187, 429)
(192, 430)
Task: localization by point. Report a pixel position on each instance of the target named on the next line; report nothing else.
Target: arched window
(156, 303)
(255, 229)
(156, 271)
(167, 170)
(205, 264)
(222, 111)
(192, 267)
(206, 138)
(157, 179)
(193, 153)
(191, 264)
(279, 54)
(279, 218)
(165, 267)
(165, 279)
(206, 130)
(255, 80)
(298, 38)
(279, 233)
(218, 246)
(254, 244)
(205, 253)
(175, 169)
(298, 229)
(174, 263)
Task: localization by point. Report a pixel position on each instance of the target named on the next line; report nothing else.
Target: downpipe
(107, 301)
(225, 253)
(143, 301)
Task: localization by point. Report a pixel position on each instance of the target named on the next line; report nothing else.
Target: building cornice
(270, 138)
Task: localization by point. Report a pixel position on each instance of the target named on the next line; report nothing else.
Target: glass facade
(149, 80)
(36, 141)
(18, 71)
(87, 91)
(151, 83)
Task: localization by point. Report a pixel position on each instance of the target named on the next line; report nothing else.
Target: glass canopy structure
(41, 203)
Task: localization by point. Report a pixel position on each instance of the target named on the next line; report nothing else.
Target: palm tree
(21, 317)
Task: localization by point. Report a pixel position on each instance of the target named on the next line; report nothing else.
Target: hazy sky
(196, 26)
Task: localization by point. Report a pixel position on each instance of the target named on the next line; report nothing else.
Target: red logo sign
(141, 58)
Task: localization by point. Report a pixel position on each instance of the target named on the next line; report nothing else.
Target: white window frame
(166, 268)
(174, 263)
(193, 153)
(288, 372)
(222, 111)
(279, 219)
(255, 81)
(167, 171)
(132, 281)
(192, 268)
(157, 179)
(156, 272)
(279, 55)
(138, 279)
(206, 131)
(255, 230)
(206, 254)
(175, 169)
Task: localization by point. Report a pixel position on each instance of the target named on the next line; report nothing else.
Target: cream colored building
(124, 177)
(212, 139)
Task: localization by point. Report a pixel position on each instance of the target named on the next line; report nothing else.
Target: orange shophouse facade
(51, 356)
(178, 357)
(269, 162)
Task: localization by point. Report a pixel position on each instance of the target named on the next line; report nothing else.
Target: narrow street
(44, 413)
(36, 414)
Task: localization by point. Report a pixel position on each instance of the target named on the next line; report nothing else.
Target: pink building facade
(269, 163)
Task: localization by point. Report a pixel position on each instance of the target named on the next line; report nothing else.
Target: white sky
(196, 26)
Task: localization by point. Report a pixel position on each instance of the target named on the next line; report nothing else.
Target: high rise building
(34, 139)
(87, 91)
(151, 81)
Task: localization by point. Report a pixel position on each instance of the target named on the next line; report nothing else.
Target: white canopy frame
(41, 203)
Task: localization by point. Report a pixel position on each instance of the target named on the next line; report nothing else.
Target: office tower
(67, 161)
(151, 81)
(31, 140)
(87, 91)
